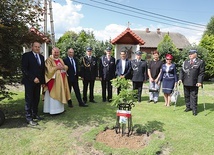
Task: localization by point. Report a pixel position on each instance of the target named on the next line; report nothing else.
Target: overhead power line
(153, 16)
(176, 19)
(134, 15)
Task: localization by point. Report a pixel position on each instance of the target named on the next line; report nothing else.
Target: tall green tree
(79, 42)
(167, 47)
(208, 43)
(210, 27)
(15, 18)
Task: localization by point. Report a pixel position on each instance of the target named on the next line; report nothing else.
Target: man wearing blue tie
(33, 69)
(73, 75)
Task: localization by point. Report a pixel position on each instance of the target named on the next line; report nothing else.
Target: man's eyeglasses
(168, 59)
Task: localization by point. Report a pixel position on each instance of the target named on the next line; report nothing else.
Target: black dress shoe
(109, 100)
(150, 101)
(32, 123)
(70, 105)
(194, 113)
(92, 101)
(155, 102)
(83, 105)
(37, 117)
(187, 109)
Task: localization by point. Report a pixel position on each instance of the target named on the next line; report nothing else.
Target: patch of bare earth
(134, 141)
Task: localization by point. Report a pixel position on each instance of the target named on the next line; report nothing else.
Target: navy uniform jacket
(139, 70)
(31, 69)
(89, 68)
(72, 75)
(127, 72)
(107, 68)
(192, 74)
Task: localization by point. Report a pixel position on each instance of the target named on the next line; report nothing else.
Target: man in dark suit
(139, 68)
(73, 74)
(191, 75)
(88, 72)
(33, 69)
(107, 69)
(123, 67)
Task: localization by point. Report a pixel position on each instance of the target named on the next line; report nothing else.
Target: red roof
(128, 37)
(40, 34)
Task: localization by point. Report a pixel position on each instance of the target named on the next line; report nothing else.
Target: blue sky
(70, 15)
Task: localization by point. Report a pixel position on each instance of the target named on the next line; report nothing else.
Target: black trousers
(191, 97)
(138, 86)
(32, 97)
(106, 84)
(75, 86)
(91, 90)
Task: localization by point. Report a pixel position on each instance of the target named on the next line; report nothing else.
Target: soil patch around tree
(133, 141)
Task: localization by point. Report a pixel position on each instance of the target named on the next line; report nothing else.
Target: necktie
(72, 62)
(37, 59)
(191, 62)
(72, 65)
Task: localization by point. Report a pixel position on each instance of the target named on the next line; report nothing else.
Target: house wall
(130, 49)
(43, 50)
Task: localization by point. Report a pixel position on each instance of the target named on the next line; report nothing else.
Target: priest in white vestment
(57, 91)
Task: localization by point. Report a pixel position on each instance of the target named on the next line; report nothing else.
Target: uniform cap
(89, 48)
(138, 52)
(108, 49)
(192, 51)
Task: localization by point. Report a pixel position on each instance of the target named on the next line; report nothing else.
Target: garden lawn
(74, 132)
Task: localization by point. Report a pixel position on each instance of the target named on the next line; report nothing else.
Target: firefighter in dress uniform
(191, 75)
(88, 73)
(139, 73)
(107, 69)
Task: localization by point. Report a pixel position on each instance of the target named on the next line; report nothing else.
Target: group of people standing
(58, 76)
(191, 75)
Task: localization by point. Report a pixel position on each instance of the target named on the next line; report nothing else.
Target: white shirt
(123, 66)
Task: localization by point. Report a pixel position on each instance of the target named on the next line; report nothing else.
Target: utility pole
(46, 53)
(52, 23)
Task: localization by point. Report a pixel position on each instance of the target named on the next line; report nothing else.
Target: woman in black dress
(168, 78)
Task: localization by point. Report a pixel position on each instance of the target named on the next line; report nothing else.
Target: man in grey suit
(191, 75)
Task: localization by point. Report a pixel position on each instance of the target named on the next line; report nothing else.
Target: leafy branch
(126, 95)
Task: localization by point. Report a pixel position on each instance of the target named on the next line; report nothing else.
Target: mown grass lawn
(74, 132)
